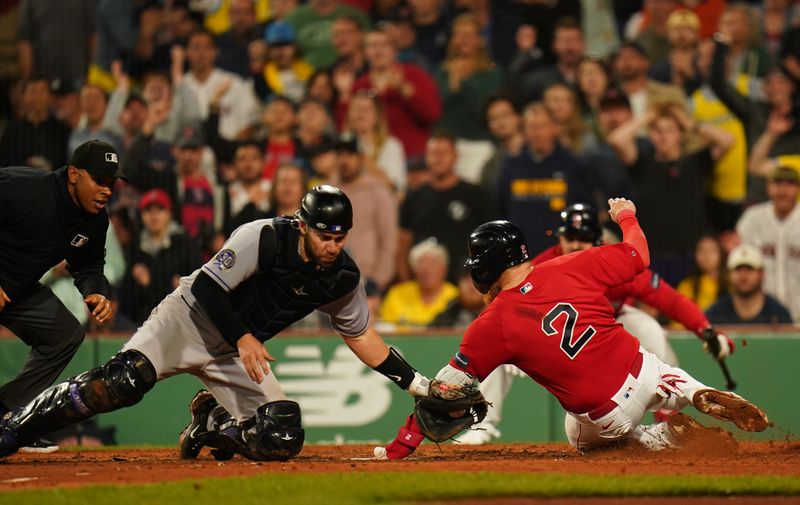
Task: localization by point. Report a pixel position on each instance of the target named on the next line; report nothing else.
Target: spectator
(707, 280)
(383, 153)
(373, 243)
(184, 109)
(285, 73)
(320, 87)
(631, 66)
(503, 119)
(313, 24)
(776, 19)
(465, 80)
(670, 182)
(409, 96)
(592, 81)
(748, 56)
(322, 159)
(680, 67)
(400, 29)
(210, 85)
(446, 208)
(93, 108)
(55, 39)
(37, 139)
(417, 303)
(66, 103)
(234, 44)
(431, 20)
(347, 38)
(162, 29)
(130, 120)
(162, 254)
(248, 195)
(288, 188)
(774, 227)
(196, 192)
(779, 128)
(280, 145)
(610, 177)
(464, 309)
(528, 78)
(148, 162)
(562, 102)
(541, 181)
(116, 40)
(653, 38)
(709, 12)
(747, 303)
(314, 126)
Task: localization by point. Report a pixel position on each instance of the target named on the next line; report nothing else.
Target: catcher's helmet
(326, 208)
(494, 247)
(579, 221)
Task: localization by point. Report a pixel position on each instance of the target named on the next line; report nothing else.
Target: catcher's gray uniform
(178, 337)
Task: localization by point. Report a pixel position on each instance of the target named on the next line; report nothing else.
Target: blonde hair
(429, 246)
(380, 133)
(482, 60)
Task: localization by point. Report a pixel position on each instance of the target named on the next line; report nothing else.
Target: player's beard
(311, 255)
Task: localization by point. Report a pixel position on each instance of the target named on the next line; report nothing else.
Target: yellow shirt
(729, 177)
(403, 304)
(217, 20)
(706, 295)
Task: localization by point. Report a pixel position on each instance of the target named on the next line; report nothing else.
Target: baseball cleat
(195, 436)
(730, 407)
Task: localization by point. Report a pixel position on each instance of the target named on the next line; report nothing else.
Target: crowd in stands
(433, 116)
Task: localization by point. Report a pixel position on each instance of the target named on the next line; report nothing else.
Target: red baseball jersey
(650, 289)
(559, 328)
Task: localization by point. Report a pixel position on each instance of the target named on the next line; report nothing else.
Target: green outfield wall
(343, 401)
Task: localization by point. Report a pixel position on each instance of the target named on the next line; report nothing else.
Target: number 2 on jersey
(571, 349)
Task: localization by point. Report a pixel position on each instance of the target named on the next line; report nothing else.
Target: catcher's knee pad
(275, 432)
(121, 382)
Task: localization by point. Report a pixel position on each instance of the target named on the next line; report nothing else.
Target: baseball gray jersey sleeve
(350, 313)
(238, 258)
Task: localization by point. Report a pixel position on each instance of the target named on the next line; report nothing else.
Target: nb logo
(299, 291)
(79, 240)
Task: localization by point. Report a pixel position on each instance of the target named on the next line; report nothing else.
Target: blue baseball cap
(278, 33)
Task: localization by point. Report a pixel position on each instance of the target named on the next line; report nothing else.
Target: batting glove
(717, 344)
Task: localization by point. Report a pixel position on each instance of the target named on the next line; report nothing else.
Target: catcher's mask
(494, 247)
(579, 221)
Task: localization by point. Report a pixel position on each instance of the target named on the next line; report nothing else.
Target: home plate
(19, 479)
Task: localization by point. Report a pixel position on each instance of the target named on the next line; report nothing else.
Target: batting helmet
(494, 247)
(326, 208)
(579, 221)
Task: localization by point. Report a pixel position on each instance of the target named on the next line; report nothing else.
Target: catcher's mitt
(449, 409)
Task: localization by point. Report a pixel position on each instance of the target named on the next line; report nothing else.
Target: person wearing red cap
(162, 253)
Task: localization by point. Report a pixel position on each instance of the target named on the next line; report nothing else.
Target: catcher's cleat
(196, 435)
(8, 438)
(480, 434)
(730, 407)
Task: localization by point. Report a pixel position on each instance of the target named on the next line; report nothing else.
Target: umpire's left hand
(100, 306)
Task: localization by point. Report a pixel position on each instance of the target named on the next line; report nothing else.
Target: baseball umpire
(269, 274)
(46, 218)
(554, 322)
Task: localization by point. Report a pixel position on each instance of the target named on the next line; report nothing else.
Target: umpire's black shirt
(40, 225)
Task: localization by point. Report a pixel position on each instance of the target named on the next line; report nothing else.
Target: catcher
(554, 322)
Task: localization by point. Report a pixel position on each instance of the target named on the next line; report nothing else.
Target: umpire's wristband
(397, 369)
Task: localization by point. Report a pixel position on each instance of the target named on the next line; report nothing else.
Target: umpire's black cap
(98, 158)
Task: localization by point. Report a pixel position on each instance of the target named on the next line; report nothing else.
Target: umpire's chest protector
(286, 289)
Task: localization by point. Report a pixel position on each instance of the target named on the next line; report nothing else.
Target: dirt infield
(69, 469)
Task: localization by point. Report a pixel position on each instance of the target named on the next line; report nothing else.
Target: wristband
(397, 369)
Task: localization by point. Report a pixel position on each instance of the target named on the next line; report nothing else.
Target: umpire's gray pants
(179, 339)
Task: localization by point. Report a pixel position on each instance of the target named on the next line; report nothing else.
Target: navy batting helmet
(326, 208)
(494, 247)
(579, 222)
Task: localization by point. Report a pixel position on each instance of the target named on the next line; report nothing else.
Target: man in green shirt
(313, 21)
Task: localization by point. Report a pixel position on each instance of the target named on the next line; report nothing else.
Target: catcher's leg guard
(121, 382)
(273, 434)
